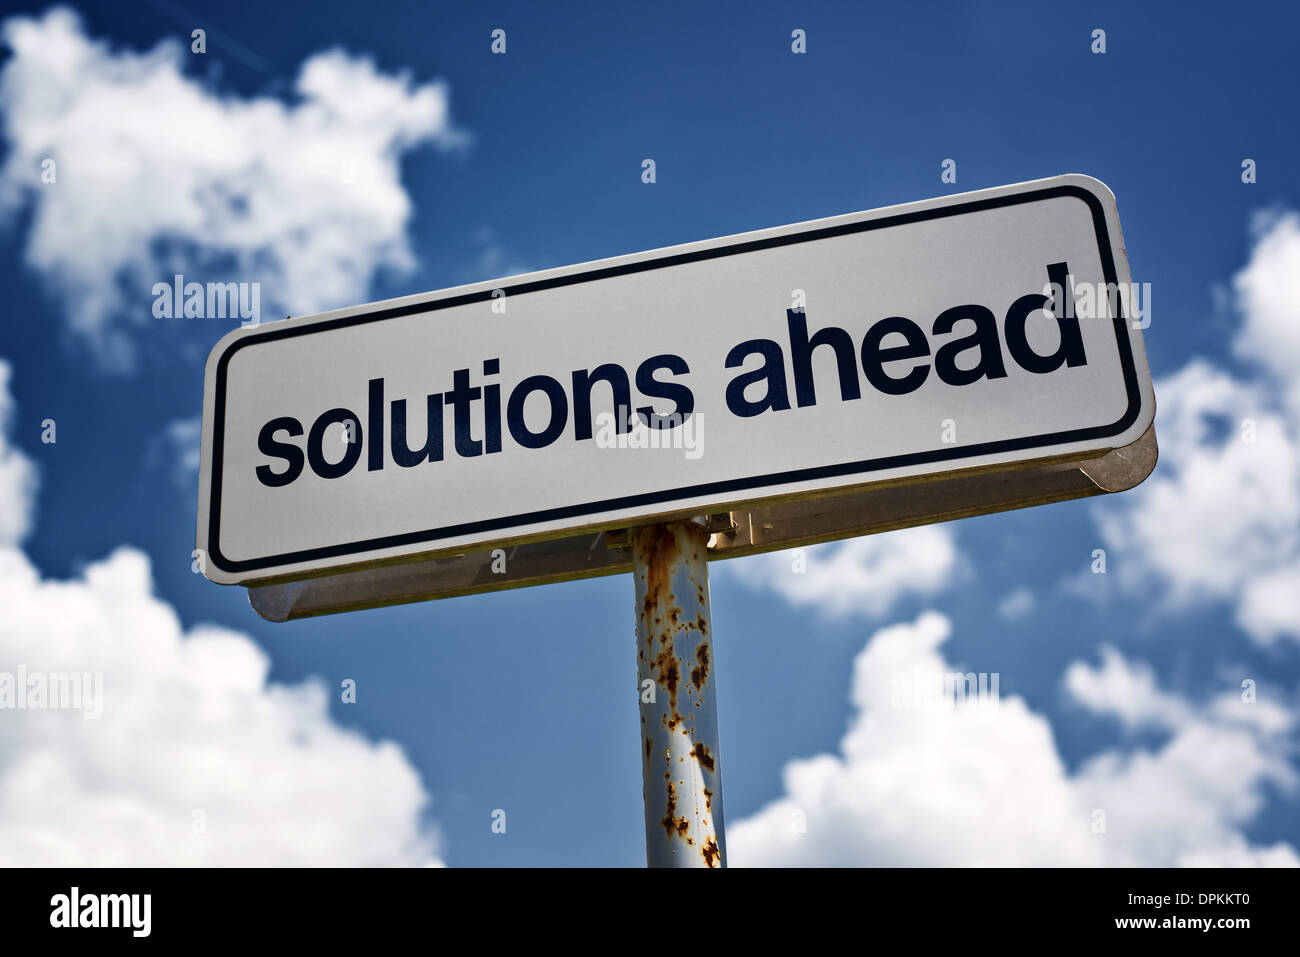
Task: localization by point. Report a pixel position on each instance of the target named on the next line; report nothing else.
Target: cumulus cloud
(1220, 518)
(1221, 510)
(186, 754)
(1126, 690)
(983, 784)
(1268, 292)
(156, 174)
(1186, 803)
(17, 474)
(861, 576)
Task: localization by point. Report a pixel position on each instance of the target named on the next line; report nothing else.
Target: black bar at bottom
(329, 907)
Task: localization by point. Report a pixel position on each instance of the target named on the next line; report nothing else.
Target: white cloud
(1128, 691)
(156, 174)
(17, 474)
(1268, 293)
(189, 724)
(1220, 518)
(1270, 605)
(860, 576)
(984, 785)
(1185, 804)
(1221, 510)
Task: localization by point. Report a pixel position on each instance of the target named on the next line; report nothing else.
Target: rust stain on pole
(680, 767)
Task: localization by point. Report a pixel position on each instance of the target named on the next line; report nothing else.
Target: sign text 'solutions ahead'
(885, 346)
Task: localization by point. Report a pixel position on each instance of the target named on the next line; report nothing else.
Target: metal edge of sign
(1138, 416)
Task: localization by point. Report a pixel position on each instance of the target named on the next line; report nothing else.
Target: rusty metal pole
(680, 764)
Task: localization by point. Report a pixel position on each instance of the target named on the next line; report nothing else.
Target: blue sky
(523, 700)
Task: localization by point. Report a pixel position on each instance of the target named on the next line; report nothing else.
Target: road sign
(797, 383)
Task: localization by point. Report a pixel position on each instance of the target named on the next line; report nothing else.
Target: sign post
(676, 675)
(653, 412)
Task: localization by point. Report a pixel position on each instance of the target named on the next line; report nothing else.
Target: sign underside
(734, 534)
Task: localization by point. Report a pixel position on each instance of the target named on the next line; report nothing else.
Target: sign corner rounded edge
(226, 344)
(1089, 183)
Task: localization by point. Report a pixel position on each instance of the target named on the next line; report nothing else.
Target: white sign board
(972, 331)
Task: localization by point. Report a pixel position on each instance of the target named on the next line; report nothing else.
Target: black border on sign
(731, 485)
